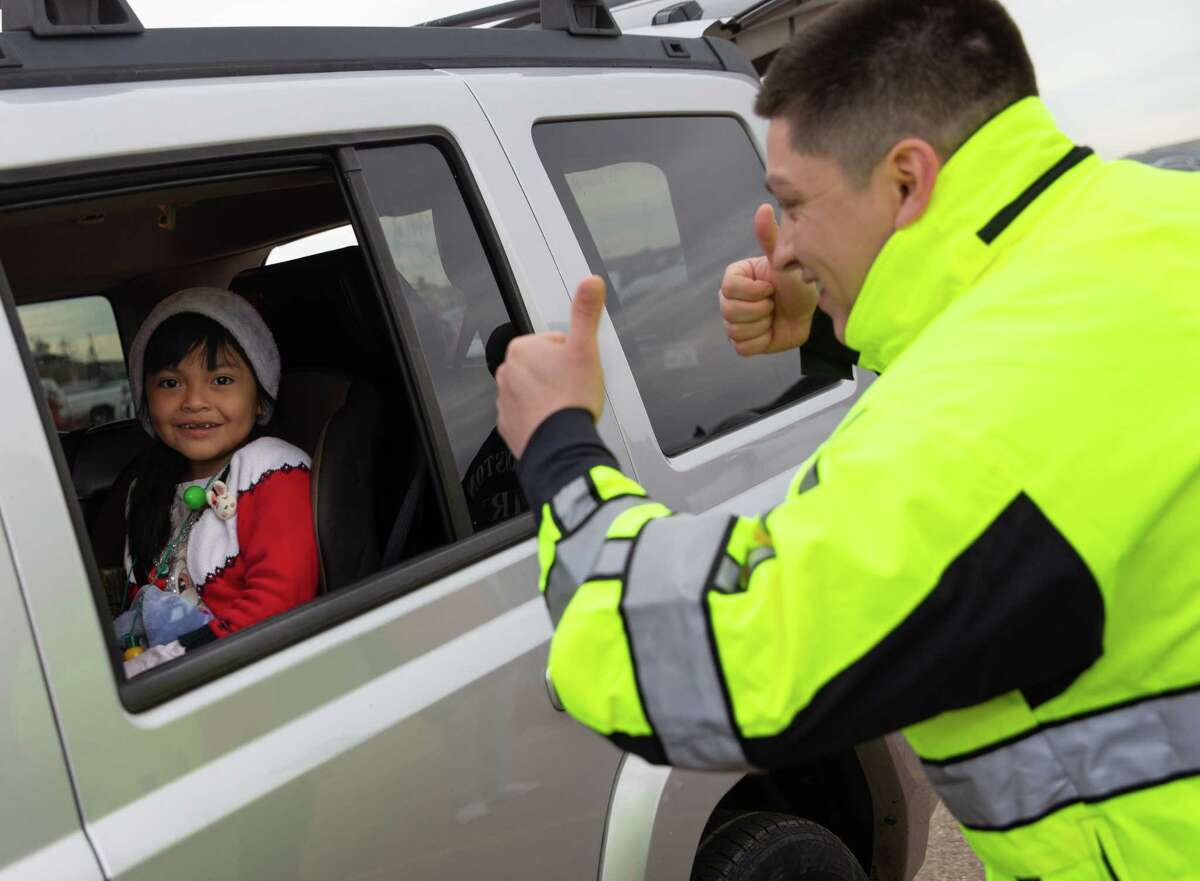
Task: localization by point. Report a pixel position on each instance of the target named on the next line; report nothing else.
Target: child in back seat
(219, 531)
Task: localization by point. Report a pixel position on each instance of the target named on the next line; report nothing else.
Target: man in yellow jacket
(998, 550)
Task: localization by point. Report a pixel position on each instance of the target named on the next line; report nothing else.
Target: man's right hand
(766, 307)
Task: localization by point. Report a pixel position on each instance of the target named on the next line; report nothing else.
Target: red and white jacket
(263, 560)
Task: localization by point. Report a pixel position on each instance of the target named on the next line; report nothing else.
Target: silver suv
(396, 203)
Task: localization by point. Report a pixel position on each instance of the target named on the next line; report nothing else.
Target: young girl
(219, 525)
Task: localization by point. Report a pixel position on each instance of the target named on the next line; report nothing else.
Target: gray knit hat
(231, 312)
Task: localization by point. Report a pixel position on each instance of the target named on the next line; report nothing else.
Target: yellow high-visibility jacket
(998, 550)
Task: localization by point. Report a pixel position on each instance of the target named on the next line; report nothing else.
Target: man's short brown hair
(869, 73)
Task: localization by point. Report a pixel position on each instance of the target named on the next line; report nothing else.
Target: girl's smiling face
(205, 413)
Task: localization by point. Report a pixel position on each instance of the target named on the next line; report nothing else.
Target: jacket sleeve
(904, 575)
(278, 551)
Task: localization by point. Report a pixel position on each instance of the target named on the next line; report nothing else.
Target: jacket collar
(924, 267)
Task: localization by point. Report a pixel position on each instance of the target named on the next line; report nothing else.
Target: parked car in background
(95, 403)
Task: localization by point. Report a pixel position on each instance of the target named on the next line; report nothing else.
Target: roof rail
(578, 17)
(68, 18)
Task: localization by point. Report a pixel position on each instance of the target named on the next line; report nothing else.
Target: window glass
(456, 304)
(662, 206)
(181, 561)
(79, 361)
(317, 243)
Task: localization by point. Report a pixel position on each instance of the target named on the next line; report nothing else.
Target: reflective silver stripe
(613, 558)
(1088, 760)
(576, 557)
(667, 620)
(760, 554)
(729, 576)
(574, 503)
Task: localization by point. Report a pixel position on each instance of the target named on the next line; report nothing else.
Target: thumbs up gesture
(765, 302)
(547, 372)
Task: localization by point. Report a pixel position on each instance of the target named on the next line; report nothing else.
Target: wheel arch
(873, 797)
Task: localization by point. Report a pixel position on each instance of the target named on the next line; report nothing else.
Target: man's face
(830, 228)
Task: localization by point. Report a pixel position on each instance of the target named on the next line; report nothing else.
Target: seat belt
(393, 553)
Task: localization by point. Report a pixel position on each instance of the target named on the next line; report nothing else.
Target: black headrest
(322, 310)
(308, 397)
(101, 453)
(344, 490)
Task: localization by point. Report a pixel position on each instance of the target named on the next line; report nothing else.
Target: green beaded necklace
(196, 500)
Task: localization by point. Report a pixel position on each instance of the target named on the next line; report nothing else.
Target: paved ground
(948, 857)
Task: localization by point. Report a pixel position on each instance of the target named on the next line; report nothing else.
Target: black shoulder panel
(1018, 609)
(185, 53)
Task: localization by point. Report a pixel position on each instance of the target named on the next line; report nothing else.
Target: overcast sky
(1121, 75)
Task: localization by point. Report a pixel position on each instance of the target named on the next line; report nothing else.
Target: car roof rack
(70, 18)
(127, 52)
(192, 53)
(580, 18)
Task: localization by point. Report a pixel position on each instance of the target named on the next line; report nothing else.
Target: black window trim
(66, 183)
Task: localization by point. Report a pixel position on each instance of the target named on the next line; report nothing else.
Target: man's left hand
(546, 372)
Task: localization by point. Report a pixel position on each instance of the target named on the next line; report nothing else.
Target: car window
(317, 243)
(661, 206)
(77, 352)
(455, 300)
(342, 435)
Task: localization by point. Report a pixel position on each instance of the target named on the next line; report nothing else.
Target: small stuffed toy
(221, 500)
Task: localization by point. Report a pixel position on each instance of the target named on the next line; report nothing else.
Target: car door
(652, 182)
(41, 835)
(409, 736)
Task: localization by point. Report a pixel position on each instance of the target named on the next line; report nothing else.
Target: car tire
(765, 846)
(101, 415)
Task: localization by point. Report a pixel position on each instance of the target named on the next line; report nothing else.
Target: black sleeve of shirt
(823, 355)
(563, 447)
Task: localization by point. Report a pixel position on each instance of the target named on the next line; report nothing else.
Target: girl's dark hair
(161, 468)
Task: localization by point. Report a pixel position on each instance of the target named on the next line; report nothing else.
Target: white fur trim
(213, 543)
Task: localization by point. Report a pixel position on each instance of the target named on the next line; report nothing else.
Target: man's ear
(912, 167)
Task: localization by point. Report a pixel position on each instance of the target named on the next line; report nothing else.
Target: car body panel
(415, 739)
(41, 837)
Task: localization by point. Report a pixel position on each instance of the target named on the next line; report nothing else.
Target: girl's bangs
(174, 339)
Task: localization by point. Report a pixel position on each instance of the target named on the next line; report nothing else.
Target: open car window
(286, 240)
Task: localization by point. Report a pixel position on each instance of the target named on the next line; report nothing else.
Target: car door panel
(762, 452)
(40, 833)
(414, 740)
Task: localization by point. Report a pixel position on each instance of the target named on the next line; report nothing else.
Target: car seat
(368, 483)
(341, 401)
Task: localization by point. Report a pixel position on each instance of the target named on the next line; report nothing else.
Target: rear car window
(661, 206)
(77, 352)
